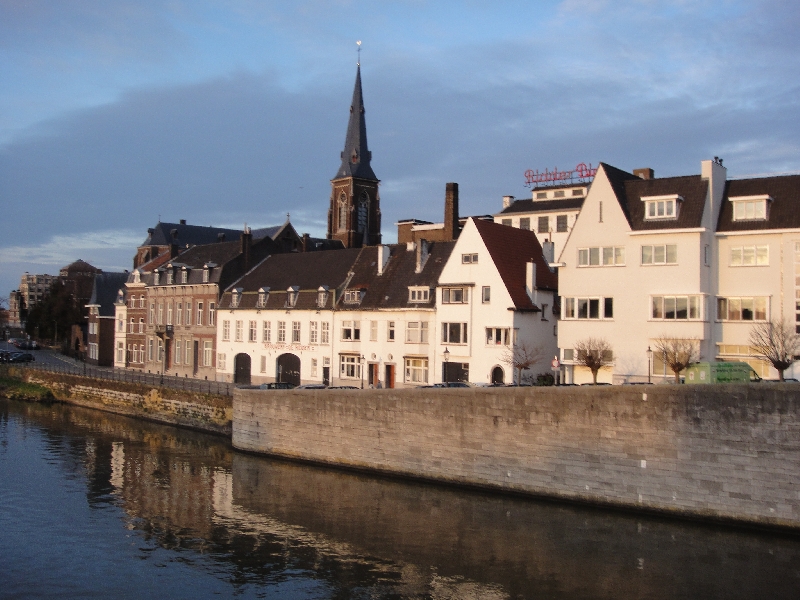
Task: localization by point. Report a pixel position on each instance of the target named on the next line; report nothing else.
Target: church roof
(356, 155)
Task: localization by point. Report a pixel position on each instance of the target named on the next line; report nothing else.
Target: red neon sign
(580, 174)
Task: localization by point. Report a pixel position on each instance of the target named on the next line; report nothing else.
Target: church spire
(356, 155)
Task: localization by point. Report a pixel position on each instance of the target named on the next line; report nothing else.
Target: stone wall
(724, 452)
(204, 412)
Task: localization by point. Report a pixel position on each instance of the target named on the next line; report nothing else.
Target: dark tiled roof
(511, 249)
(390, 290)
(783, 211)
(161, 235)
(630, 190)
(80, 266)
(197, 256)
(356, 156)
(104, 291)
(543, 205)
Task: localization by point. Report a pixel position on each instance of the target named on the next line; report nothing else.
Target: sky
(117, 114)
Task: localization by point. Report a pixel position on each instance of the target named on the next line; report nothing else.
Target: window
(295, 332)
(156, 278)
(188, 356)
(226, 331)
(313, 332)
(313, 367)
(349, 367)
(169, 313)
(454, 295)
(252, 331)
(506, 222)
(325, 337)
(454, 333)
(559, 194)
(281, 331)
(750, 208)
(588, 308)
(263, 294)
(676, 307)
(207, 353)
(149, 350)
(199, 313)
(266, 336)
(263, 364)
(132, 325)
(543, 225)
(497, 336)
(390, 331)
(351, 330)
(205, 274)
(373, 331)
(525, 223)
(541, 195)
(120, 352)
(177, 352)
(342, 212)
(141, 325)
(141, 301)
(750, 256)
(291, 296)
(184, 275)
(660, 255)
(419, 294)
(238, 331)
(133, 301)
(221, 361)
(661, 207)
(416, 370)
(236, 297)
(178, 314)
(169, 276)
(742, 309)
(469, 259)
(606, 256)
(561, 223)
(212, 313)
(417, 332)
(486, 294)
(352, 296)
(322, 297)
(160, 314)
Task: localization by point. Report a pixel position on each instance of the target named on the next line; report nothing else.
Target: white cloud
(60, 250)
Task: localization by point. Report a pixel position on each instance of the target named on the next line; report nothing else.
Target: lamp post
(361, 360)
(446, 360)
(649, 362)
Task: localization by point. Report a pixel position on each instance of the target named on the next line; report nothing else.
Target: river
(94, 505)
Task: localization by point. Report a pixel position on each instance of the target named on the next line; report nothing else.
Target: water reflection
(260, 527)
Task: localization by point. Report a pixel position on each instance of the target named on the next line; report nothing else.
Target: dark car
(277, 385)
(342, 387)
(21, 357)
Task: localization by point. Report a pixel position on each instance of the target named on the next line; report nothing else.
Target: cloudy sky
(116, 114)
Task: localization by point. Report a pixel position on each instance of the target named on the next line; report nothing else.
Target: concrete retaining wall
(720, 452)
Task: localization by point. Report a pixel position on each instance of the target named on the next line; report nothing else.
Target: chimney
(549, 252)
(644, 173)
(451, 230)
(183, 221)
(247, 242)
(174, 233)
(306, 241)
(508, 201)
(220, 237)
(530, 280)
(422, 255)
(384, 252)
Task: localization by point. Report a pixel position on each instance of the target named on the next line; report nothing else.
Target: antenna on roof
(287, 216)
(358, 43)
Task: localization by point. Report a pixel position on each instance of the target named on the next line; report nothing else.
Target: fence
(153, 379)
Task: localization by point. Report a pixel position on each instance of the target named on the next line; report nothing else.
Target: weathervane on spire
(358, 43)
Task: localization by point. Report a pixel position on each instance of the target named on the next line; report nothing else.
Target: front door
(241, 369)
(372, 375)
(389, 383)
(195, 356)
(288, 369)
(326, 375)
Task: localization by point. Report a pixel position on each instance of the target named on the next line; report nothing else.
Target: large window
(325, 336)
(207, 353)
(749, 208)
(607, 256)
(498, 336)
(417, 332)
(588, 308)
(351, 330)
(666, 254)
(313, 332)
(454, 333)
(253, 331)
(295, 332)
(349, 366)
(543, 226)
(212, 313)
(199, 313)
(266, 335)
(226, 331)
(750, 256)
(179, 314)
(661, 207)
(416, 370)
(457, 295)
(239, 327)
(742, 309)
(281, 331)
(681, 308)
(561, 223)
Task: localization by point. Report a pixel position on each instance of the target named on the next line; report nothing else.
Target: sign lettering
(580, 174)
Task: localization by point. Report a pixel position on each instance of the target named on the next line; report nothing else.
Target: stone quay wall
(720, 452)
(204, 412)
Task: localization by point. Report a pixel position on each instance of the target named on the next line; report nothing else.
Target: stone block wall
(720, 452)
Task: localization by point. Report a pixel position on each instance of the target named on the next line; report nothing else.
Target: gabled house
(102, 321)
(495, 299)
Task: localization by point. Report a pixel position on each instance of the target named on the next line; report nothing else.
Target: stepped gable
(511, 250)
(783, 212)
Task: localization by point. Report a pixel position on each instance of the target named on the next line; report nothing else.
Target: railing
(220, 388)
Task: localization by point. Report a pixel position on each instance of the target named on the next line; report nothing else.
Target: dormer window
(236, 297)
(322, 296)
(156, 277)
(170, 275)
(292, 292)
(661, 207)
(205, 274)
(352, 296)
(184, 275)
(263, 295)
(750, 208)
(419, 294)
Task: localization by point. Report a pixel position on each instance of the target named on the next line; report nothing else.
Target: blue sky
(114, 114)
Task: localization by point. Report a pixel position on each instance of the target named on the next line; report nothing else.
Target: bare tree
(776, 341)
(522, 356)
(594, 354)
(677, 353)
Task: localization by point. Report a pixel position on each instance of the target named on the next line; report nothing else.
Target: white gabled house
(495, 293)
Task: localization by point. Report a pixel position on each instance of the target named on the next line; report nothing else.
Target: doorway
(288, 369)
(372, 375)
(241, 369)
(498, 376)
(389, 379)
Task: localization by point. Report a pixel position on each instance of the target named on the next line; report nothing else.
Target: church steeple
(354, 216)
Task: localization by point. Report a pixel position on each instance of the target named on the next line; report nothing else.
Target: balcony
(164, 331)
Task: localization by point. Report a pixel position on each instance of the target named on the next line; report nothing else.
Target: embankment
(726, 452)
(204, 412)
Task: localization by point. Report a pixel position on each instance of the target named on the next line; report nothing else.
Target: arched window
(342, 212)
(363, 205)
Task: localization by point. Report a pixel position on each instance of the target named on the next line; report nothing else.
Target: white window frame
(351, 331)
(325, 334)
(296, 332)
(571, 308)
(601, 256)
(281, 332)
(750, 208)
(654, 249)
(447, 338)
(661, 305)
(661, 208)
(416, 369)
(313, 332)
(750, 256)
(417, 332)
(252, 335)
(226, 331)
(449, 293)
(498, 336)
(731, 302)
(419, 294)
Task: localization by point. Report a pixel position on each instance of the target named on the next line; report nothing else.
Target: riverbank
(203, 412)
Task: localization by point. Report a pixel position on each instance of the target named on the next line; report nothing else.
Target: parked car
(342, 387)
(277, 385)
(21, 357)
(312, 386)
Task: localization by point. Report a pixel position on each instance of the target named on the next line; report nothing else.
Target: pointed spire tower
(354, 216)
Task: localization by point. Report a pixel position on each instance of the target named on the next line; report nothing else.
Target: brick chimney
(646, 173)
(306, 241)
(451, 230)
(247, 243)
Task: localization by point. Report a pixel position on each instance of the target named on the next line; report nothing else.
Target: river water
(94, 505)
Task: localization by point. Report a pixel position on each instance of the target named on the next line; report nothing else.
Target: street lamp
(446, 354)
(361, 360)
(649, 361)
